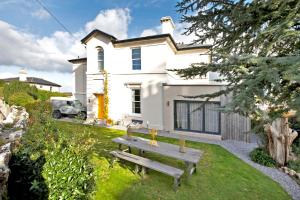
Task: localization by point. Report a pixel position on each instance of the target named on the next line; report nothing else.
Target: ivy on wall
(106, 97)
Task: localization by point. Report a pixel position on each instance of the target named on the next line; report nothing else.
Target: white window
(136, 101)
(100, 58)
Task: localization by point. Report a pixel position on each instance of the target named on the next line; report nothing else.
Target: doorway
(100, 98)
(197, 116)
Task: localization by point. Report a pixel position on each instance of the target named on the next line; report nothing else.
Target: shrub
(260, 156)
(34, 108)
(25, 180)
(2, 83)
(68, 174)
(51, 164)
(1, 91)
(44, 95)
(20, 99)
(295, 165)
(17, 87)
(21, 87)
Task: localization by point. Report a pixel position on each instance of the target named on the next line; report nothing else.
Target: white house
(142, 88)
(40, 83)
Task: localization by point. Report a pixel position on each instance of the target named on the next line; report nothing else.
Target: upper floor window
(100, 58)
(136, 58)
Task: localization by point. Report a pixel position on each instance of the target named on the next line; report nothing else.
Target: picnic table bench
(191, 156)
(147, 163)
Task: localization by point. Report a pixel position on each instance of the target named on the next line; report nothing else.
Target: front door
(100, 106)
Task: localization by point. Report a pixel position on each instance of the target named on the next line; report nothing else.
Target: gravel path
(242, 150)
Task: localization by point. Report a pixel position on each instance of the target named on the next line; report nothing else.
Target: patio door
(196, 116)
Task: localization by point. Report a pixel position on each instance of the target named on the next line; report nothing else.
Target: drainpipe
(163, 105)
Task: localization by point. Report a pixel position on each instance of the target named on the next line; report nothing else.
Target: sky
(30, 37)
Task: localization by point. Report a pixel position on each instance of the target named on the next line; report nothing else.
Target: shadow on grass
(25, 180)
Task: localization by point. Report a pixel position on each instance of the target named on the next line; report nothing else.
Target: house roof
(78, 60)
(192, 46)
(96, 31)
(33, 80)
(180, 47)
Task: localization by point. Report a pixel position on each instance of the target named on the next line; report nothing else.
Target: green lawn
(220, 175)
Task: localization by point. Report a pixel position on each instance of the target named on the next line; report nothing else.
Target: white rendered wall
(155, 59)
(47, 87)
(151, 98)
(79, 89)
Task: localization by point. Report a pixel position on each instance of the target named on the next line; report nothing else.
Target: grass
(220, 175)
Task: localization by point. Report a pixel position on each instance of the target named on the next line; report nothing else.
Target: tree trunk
(280, 139)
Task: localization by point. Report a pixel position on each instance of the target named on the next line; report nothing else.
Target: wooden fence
(233, 125)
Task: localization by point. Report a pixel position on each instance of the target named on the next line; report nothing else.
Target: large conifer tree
(255, 49)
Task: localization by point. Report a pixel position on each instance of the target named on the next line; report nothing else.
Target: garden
(60, 160)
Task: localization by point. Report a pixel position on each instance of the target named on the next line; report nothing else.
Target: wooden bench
(147, 163)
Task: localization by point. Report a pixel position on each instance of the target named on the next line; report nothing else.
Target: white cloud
(41, 14)
(6, 75)
(47, 56)
(39, 53)
(112, 21)
(178, 33)
(151, 31)
(50, 53)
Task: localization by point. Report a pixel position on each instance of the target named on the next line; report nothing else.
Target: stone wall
(13, 121)
(5, 155)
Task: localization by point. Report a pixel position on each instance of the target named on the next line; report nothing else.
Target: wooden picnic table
(191, 156)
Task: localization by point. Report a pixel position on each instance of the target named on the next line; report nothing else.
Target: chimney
(167, 25)
(22, 75)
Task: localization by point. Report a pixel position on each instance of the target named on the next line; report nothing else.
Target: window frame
(136, 59)
(100, 51)
(134, 102)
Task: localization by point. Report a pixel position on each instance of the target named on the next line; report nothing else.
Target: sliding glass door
(197, 116)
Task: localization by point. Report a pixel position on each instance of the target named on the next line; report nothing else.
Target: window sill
(135, 115)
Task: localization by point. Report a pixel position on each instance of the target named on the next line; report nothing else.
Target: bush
(38, 106)
(25, 180)
(20, 87)
(17, 87)
(1, 91)
(20, 99)
(2, 83)
(68, 174)
(295, 165)
(260, 156)
(44, 95)
(51, 164)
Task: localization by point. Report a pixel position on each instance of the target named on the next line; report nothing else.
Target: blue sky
(75, 13)
(30, 38)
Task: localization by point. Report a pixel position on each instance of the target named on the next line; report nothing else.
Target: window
(136, 101)
(100, 58)
(136, 58)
